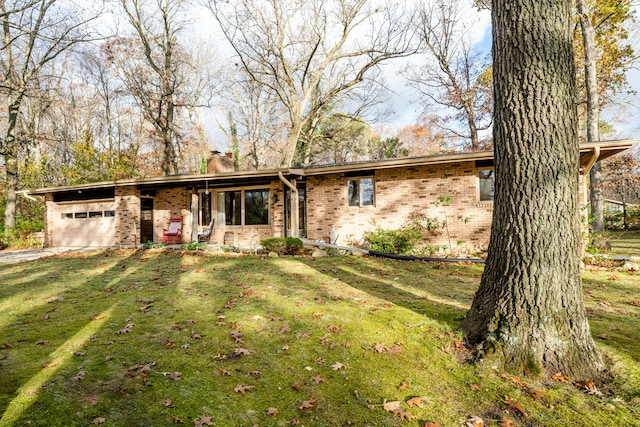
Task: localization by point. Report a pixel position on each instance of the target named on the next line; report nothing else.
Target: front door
(146, 220)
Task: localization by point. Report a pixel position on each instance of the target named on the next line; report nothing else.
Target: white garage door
(85, 224)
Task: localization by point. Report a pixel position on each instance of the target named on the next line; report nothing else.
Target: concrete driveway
(7, 256)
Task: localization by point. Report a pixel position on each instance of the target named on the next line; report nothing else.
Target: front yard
(155, 338)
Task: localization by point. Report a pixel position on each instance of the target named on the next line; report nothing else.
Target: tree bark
(529, 305)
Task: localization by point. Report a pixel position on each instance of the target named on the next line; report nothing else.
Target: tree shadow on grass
(434, 297)
(54, 315)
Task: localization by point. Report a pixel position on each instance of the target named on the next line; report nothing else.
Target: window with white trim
(360, 192)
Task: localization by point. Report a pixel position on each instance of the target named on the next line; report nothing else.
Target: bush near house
(283, 245)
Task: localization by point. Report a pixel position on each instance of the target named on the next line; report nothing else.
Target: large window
(243, 207)
(487, 180)
(256, 207)
(230, 208)
(360, 192)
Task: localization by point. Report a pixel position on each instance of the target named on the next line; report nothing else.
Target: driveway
(7, 256)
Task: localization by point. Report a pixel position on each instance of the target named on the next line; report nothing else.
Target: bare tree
(159, 71)
(311, 52)
(34, 33)
(455, 76)
(254, 114)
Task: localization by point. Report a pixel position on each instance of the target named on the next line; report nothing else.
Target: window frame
(359, 187)
(243, 217)
(479, 185)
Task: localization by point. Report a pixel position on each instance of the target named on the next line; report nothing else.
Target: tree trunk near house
(529, 306)
(596, 195)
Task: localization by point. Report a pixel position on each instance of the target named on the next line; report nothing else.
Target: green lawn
(624, 242)
(159, 337)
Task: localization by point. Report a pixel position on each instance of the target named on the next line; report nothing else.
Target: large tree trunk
(529, 305)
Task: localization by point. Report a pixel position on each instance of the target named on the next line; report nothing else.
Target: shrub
(150, 245)
(400, 241)
(282, 245)
(194, 246)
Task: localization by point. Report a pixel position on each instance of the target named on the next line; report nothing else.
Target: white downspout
(295, 212)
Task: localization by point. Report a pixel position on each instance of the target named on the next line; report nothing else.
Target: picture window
(360, 192)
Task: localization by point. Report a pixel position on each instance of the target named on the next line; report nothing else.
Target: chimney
(220, 163)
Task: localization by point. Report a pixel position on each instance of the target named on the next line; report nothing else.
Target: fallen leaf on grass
(203, 421)
(272, 411)
(80, 376)
(417, 401)
(474, 387)
(145, 308)
(561, 378)
(167, 402)
(98, 420)
(285, 329)
(175, 376)
(243, 388)
(318, 379)
(176, 420)
(588, 386)
(170, 345)
(391, 406)
(380, 348)
(42, 342)
(190, 322)
(5, 346)
(224, 372)
(394, 350)
(432, 424)
(307, 404)
(513, 407)
(337, 366)
(296, 386)
(535, 394)
(404, 386)
(242, 351)
(505, 422)
(334, 329)
(474, 421)
(404, 415)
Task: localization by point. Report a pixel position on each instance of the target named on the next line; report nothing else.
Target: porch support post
(295, 211)
(194, 216)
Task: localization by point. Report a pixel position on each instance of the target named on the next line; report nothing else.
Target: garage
(85, 224)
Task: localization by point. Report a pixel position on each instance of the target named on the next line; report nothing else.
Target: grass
(158, 337)
(624, 242)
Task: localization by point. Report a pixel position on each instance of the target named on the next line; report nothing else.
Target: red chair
(173, 234)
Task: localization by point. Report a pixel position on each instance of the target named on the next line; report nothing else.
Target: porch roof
(589, 153)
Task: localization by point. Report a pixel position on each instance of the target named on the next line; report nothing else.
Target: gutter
(592, 160)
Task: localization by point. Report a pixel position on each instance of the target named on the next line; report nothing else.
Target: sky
(405, 101)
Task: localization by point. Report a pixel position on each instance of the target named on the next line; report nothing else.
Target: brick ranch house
(339, 201)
